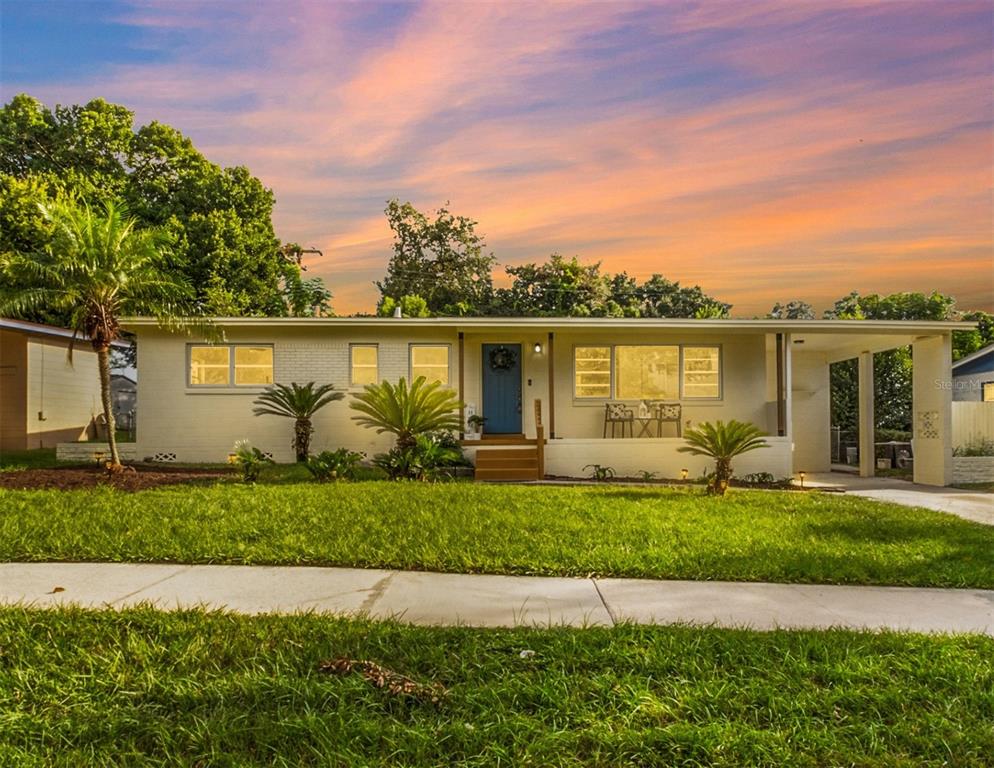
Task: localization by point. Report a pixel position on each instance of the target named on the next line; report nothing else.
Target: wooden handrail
(539, 439)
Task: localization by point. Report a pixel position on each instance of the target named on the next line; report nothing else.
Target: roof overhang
(40, 329)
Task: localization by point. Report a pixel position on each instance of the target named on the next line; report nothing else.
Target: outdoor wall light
(800, 476)
(538, 348)
(684, 473)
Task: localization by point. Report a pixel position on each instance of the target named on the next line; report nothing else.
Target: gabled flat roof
(41, 329)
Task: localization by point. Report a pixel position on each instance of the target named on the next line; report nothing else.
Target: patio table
(646, 422)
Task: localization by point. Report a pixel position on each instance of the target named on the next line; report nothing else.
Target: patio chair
(617, 413)
(669, 412)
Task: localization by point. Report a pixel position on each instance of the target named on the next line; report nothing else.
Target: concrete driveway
(970, 505)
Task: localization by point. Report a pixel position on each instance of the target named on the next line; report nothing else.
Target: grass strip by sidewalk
(465, 527)
(146, 688)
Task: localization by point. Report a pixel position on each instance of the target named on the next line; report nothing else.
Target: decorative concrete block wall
(81, 453)
(973, 469)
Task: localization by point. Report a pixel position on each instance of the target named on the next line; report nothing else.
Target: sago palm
(298, 402)
(407, 411)
(97, 266)
(723, 442)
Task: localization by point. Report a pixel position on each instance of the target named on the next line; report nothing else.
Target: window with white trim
(364, 363)
(592, 372)
(647, 372)
(230, 365)
(430, 361)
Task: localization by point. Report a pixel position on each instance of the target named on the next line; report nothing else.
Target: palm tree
(98, 267)
(407, 411)
(723, 442)
(298, 402)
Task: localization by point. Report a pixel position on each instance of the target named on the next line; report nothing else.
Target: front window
(592, 372)
(430, 361)
(647, 373)
(701, 375)
(239, 365)
(364, 364)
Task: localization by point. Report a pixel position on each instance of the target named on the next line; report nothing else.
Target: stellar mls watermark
(962, 385)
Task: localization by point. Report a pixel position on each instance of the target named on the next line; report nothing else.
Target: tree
(440, 259)
(968, 342)
(557, 288)
(660, 297)
(407, 411)
(410, 306)
(218, 221)
(722, 442)
(792, 310)
(96, 267)
(298, 402)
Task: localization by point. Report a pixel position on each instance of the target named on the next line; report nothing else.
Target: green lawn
(148, 688)
(659, 532)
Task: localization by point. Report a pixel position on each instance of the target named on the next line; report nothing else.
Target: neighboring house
(197, 397)
(124, 393)
(43, 398)
(973, 376)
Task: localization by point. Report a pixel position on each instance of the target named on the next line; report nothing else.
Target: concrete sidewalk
(496, 601)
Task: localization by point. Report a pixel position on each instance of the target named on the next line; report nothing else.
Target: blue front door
(502, 389)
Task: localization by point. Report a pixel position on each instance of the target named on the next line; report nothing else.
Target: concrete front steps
(512, 462)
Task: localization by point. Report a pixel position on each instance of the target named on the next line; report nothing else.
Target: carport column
(867, 451)
(932, 407)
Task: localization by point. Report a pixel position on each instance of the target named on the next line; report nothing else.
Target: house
(973, 376)
(44, 399)
(557, 377)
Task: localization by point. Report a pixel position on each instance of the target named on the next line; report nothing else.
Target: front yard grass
(147, 688)
(651, 532)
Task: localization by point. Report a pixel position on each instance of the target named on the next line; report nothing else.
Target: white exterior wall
(66, 396)
(202, 424)
(811, 412)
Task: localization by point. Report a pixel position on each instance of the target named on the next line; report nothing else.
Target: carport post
(867, 451)
(932, 406)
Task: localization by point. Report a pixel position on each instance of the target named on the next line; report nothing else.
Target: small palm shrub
(722, 442)
(600, 473)
(428, 459)
(407, 411)
(249, 459)
(341, 464)
(298, 402)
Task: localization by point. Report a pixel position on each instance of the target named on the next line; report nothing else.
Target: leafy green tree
(218, 221)
(792, 310)
(410, 306)
(660, 297)
(557, 288)
(967, 342)
(722, 442)
(407, 411)
(440, 259)
(96, 267)
(298, 402)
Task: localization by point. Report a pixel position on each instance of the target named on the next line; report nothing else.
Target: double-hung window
(430, 361)
(364, 362)
(230, 365)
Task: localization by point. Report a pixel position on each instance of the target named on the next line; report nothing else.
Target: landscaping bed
(194, 688)
(604, 530)
(136, 477)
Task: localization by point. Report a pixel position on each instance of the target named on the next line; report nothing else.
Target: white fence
(972, 422)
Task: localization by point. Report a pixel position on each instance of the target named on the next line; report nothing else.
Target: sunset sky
(765, 150)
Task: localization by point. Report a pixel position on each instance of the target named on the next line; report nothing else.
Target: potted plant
(476, 426)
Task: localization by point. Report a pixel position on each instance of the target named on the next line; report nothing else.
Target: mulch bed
(137, 477)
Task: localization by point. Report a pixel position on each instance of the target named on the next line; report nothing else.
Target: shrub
(407, 411)
(723, 442)
(600, 473)
(977, 446)
(426, 460)
(340, 464)
(249, 459)
(298, 402)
